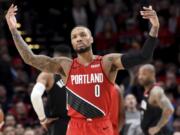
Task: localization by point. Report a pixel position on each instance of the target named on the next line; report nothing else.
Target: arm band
(143, 56)
(36, 99)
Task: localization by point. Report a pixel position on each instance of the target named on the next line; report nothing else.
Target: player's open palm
(149, 13)
(10, 17)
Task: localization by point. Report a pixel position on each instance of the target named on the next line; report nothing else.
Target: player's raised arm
(41, 62)
(129, 60)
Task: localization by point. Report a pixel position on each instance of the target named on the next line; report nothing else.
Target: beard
(83, 50)
(146, 82)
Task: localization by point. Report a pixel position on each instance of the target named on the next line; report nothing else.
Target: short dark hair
(64, 49)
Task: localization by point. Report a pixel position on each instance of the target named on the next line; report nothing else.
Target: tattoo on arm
(110, 59)
(154, 32)
(40, 62)
(167, 111)
(22, 47)
(115, 60)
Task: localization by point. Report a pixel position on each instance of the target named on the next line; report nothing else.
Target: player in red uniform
(88, 78)
(117, 109)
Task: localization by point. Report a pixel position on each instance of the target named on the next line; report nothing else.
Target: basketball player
(55, 119)
(88, 78)
(156, 107)
(117, 109)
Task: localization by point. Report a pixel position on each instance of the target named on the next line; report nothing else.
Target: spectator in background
(19, 129)
(160, 70)
(130, 33)
(102, 18)
(9, 130)
(5, 71)
(10, 120)
(176, 125)
(106, 39)
(171, 83)
(21, 76)
(79, 14)
(132, 117)
(39, 130)
(172, 23)
(29, 131)
(177, 112)
(165, 35)
(21, 113)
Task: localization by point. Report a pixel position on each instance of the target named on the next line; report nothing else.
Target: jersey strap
(83, 106)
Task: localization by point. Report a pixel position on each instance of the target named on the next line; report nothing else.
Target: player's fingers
(12, 13)
(15, 9)
(148, 12)
(45, 127)
(51, 120)
(12, 5)
(147, 17)
(54, 118)
(10, 10)
(147, 8)
(151, 11)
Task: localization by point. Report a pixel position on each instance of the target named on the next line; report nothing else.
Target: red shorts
(100, 126)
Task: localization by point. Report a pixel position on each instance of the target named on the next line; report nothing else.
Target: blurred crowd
(116, 26)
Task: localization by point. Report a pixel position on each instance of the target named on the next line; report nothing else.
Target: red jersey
(115, 109)
(88, 90)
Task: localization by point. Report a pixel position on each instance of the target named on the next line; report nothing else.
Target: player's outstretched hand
(149, 13)
(10, 17)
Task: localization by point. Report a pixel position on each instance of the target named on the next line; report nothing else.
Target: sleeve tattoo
(167, 111)
(40, 62)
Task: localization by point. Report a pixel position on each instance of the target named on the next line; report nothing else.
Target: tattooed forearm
(41, 62)
(154, 31)
(22, 47)
(167, 111)
(47, 64)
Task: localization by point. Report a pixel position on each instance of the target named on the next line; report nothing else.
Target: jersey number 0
(97, 90)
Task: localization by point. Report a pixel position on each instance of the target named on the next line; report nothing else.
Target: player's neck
(86, 58)
(149, 86)
(133, 109)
